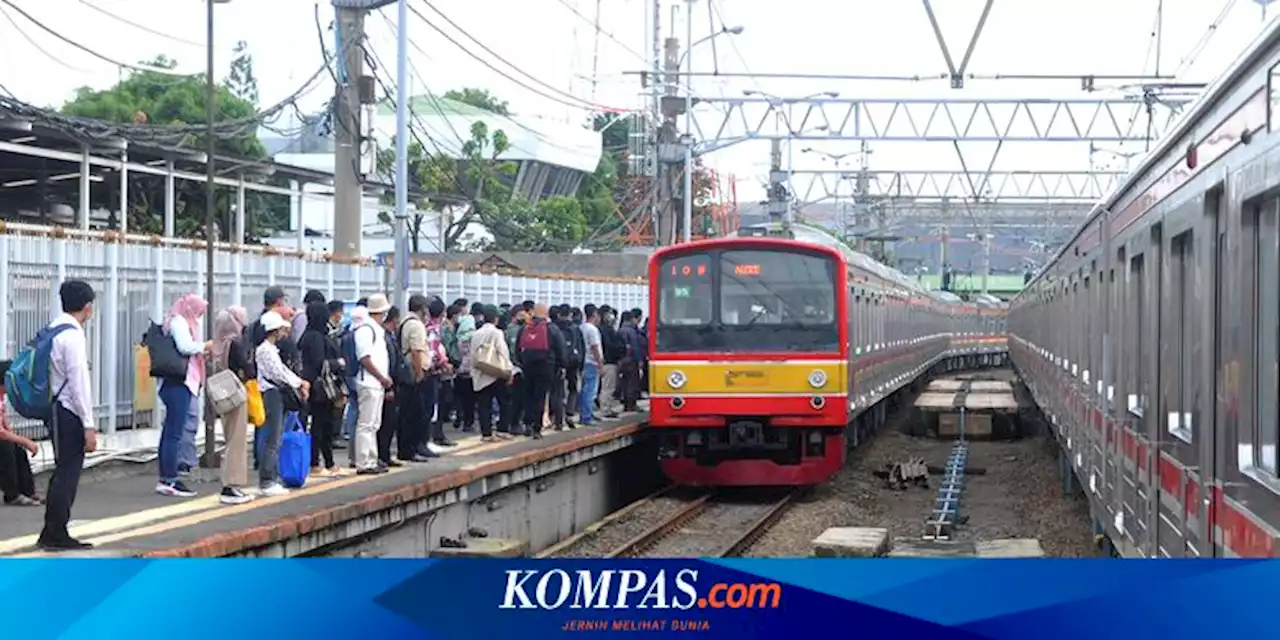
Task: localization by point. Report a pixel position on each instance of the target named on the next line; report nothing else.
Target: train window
(1266, 284)
(1183, 401)
(1137, 289)
(1273, 98)
(685, 291)
(775, 288)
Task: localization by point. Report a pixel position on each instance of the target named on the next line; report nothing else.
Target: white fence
(137, 279)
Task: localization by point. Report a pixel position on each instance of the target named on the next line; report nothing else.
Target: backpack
(449, 338)
(575, 347)
(27, 382)
(399, 365)
(354, 368)
(534, 337)
(167, 363)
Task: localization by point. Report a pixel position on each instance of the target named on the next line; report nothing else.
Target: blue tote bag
(295, 452)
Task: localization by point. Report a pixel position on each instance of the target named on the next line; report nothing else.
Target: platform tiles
(123, 516)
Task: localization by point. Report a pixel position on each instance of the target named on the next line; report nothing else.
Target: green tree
(461, 191)
(241, 81)
(480, 99)
(434, 175)
(163, 99)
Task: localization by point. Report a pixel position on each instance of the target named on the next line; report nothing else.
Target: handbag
(225, 392)
(253, 401)
(332, 386)
(490, 361)
(166, 361)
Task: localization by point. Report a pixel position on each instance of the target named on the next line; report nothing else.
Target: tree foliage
(163, 99)
(476, 189)
(480, 99)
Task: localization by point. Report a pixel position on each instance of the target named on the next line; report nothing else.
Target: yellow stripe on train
(747, 378)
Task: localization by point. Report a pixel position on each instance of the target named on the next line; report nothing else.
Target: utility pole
(210, 456)
(670, 153)
(687, 141)
(403, 96)
(595, 54)
(348, 201)
(779, 197)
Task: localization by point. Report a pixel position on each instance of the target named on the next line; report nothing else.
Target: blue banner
(527, 599)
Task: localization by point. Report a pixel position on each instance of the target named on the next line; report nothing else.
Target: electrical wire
(494, 225)
(1190, 59)
(578, 104)
(89, 129)
(36, 45)
(92, 52)
(625, 46)
(522, 72)
(142, 27)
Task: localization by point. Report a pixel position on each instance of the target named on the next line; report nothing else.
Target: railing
(138, 277)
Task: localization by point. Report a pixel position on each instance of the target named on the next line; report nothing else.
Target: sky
(556, 43)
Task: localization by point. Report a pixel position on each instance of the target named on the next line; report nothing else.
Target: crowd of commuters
(379, 381)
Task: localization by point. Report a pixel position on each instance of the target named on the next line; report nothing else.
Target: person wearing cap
(372, 385)
(272, 375)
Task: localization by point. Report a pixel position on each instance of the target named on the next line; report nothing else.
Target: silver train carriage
(1151, 339)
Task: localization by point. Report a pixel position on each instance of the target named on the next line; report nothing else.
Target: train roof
(1210, 97)
(821, 237)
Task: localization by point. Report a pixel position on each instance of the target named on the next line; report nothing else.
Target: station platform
(118, 511)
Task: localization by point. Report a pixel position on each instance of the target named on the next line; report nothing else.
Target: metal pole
(402, 156)
(688, 128)
(210, 457)
(791, 190)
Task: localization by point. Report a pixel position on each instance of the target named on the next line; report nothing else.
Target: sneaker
(448, 444)
(175, 489)
(232, 495)
(273, 489)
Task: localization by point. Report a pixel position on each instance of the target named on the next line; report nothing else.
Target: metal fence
(137, 279)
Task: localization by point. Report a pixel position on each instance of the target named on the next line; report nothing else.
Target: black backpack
(575, 346)
(167, 363)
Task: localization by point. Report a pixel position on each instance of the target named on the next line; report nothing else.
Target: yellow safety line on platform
(206, 516)
(195, 511)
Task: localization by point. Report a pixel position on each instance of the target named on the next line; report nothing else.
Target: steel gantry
(1083, 187)
(1113, 120)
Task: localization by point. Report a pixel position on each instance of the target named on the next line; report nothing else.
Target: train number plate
(750, 378)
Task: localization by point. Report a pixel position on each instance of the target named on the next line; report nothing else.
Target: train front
(748, 362)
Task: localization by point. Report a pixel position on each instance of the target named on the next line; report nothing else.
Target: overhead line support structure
(926, 120)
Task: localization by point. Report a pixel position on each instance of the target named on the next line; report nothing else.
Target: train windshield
(763, 288)
(747, 300)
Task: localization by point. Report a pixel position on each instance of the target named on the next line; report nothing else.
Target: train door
(1181, 320)
(1200, 502)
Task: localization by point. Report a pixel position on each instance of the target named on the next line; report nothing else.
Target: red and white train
(1152, 340)
(769, 356)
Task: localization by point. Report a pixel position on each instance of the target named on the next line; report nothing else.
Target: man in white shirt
(72, 427)
(372, 386)
(594, 363)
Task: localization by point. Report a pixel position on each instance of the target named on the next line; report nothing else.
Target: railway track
(707, 526)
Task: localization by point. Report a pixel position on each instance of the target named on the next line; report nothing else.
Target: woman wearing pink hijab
(183, 325)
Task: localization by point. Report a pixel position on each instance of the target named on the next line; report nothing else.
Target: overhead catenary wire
(1198, 48)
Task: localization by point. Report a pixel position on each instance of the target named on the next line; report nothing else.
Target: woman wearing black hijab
(321, 359)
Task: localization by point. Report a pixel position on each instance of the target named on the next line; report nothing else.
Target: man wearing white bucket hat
(372, 385)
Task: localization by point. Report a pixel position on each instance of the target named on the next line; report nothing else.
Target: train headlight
(676, 379)
(818, 379)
